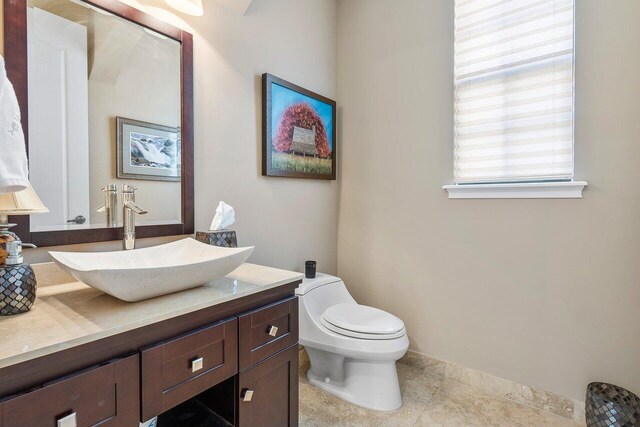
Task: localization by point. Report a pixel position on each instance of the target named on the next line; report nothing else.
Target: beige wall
(288, 220)
(542, 292)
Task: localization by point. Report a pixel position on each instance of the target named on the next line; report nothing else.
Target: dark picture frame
(297, 151)
(126, 165)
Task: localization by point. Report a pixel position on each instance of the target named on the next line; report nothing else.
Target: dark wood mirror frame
(15, 50)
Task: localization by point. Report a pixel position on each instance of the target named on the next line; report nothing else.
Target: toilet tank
(322, 292)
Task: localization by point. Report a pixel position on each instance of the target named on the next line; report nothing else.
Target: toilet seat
(361, 321)
(354, 334)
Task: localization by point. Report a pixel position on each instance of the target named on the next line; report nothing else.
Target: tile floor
(429, 400)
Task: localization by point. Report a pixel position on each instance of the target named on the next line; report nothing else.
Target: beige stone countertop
(68, 313)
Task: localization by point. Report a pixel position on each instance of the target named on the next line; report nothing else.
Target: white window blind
(513, 90)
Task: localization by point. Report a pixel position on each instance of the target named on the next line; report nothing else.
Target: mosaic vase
(608, 405)
(17, 289)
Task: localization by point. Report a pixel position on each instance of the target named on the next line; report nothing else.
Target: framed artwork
(298, 131)
(147, 151)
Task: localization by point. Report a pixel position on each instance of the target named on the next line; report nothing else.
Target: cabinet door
(269, 391)
(107, 395)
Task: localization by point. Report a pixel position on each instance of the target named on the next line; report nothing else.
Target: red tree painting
(303, 116)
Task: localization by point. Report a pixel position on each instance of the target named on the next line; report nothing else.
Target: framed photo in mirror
(147, 151)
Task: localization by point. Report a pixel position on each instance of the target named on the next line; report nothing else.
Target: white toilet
(353, 348)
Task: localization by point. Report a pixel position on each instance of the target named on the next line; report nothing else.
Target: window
(513, 91)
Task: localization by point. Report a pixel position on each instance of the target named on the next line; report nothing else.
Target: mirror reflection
(104, 110)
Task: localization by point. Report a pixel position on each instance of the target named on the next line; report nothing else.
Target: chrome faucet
(110, 202)
(129, 211)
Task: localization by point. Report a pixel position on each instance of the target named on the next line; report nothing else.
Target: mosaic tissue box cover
(222, 238)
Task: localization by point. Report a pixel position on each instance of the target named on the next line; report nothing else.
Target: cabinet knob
(247, 395)
(273, 331)
(197, 364)
(68, 421)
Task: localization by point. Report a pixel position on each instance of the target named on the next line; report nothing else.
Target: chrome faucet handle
(127, 188)
(135, 207)
(110, 188)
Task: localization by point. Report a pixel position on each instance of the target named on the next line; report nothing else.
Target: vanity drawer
(176, 370)
(267, 330)
(107, 395)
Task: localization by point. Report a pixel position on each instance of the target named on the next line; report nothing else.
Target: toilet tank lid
(321, 279)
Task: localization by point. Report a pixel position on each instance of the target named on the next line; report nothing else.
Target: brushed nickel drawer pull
(273, 331)
(247, 396)
(197, 364)
(68, 421)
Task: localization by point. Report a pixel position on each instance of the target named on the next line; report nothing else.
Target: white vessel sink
(140, 274)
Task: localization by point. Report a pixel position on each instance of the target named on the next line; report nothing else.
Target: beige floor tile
(319, 409)
(416, 383)
(457, 404)
(429, 400)
(424, 362)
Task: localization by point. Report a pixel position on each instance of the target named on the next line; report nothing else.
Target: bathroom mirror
(106, 96)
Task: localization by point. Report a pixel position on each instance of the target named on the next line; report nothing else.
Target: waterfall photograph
(153, 151)
(147, 151)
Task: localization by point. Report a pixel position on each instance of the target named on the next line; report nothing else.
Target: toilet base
(370, 384)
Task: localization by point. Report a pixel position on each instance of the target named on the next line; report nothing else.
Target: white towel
(14, 173)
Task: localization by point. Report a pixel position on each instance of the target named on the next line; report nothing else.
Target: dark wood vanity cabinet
(105, 395)
(243, 359)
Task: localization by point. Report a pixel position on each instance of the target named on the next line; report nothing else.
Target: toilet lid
(362, 319)
(362, 335)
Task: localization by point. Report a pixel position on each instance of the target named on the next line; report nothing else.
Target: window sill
(520, 190)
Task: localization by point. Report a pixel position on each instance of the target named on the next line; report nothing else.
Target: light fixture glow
(190, 7)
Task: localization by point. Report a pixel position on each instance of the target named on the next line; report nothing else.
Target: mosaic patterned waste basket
(609, 405)
(223, 238)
